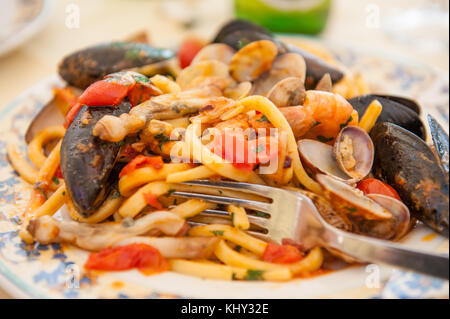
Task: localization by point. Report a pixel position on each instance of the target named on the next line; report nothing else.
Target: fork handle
(382, 251)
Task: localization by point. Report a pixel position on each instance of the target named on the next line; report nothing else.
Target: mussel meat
(84, 67)
(405, 162)
(397, 110)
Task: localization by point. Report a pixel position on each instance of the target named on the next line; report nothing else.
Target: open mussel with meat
(89, 164)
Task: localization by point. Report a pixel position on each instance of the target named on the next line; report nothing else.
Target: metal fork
(292, 215)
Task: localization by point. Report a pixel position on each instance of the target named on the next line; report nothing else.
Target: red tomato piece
(140, 161)
(281, 254)
(267, 149)
(188, 50)
(245, 155)
(233, 147)
(58, 172)
(375, 186)
(71, 114)
(141, 256)
(152, 200)
(141, 92)
(104, 92)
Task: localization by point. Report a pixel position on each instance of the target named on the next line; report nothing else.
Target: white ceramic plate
(43, 271)
(20, 20)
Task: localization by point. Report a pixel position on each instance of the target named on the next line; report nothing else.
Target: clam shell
(350, 200)
(319, 159)
(288, 92)
(252, 60)
(394, 228)
(362, 151)
(216, 51)
(210, 68)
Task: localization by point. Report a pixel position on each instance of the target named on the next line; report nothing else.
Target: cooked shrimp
(322, 115)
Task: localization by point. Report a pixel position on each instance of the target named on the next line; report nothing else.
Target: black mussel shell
(394, 112)
(239, 33)
(238, 25)
(405, 162)
(84, 67)
(88, 164)
(403, 101)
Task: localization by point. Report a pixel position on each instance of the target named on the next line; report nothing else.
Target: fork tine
(256, 189)
(251, 204)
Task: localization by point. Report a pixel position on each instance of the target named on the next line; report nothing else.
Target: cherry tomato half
(375, 186)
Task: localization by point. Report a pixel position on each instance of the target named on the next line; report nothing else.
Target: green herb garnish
(350, 118)
(37, 187)
(351, 209)
(141, 78)
(259, 148)
(217, 232)
(161, 138)
(316, 123)
(55, 180)
(324, 139)
(263, 119)
(254, 275)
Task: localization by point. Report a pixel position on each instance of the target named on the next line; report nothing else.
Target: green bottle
(288, 16)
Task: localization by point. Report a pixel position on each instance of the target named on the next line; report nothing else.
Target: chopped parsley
(238, 248)
(234, 277)
(254, 275)
(217, 232)
(170, 192)
(37, 187)
(346, 123)
(64, 193)
(141, 78)
(316, 123)
(263, 119)
(351, 209)
(259, 148)
(324, 139)
(55, 180)
(232, 219)
(161, 138)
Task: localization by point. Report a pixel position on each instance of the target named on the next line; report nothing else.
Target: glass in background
(289, 16)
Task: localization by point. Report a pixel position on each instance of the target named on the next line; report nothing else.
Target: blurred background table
(166, 23)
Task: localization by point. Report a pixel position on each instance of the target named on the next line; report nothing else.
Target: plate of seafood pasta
(248, 165)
